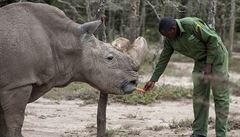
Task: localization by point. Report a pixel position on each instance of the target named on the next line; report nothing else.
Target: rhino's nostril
(128, 86)
(134, 82)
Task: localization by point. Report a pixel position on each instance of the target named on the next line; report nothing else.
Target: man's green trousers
(201, 95)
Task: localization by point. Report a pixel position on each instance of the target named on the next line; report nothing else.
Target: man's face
(171, 33)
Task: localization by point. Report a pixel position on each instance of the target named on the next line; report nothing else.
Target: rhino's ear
(89, 27)
(121, 44)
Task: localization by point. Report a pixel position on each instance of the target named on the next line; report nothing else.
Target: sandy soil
(47, 118)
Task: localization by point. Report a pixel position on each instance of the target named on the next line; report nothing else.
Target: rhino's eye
(109, 57)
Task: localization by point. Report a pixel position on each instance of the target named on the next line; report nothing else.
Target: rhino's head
(106, 68)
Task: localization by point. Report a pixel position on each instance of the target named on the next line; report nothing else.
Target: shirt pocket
(196, 46)
(193, 40)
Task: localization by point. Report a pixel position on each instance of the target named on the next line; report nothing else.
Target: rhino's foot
(3, 126)
(13, 103)
(3, 131)
(14, 133)
(2, 134)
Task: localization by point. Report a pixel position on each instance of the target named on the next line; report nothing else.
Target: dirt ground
(47, 118)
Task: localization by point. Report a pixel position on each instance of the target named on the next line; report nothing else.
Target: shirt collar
(180, 26)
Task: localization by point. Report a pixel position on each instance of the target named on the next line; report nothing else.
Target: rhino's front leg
(13, 103)
(3, 126)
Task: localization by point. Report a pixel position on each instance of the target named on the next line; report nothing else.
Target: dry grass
(234, 65)
(156, 128)
(233, 123)
(184, 123)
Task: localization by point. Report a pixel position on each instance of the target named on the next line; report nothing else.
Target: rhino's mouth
(128, 87)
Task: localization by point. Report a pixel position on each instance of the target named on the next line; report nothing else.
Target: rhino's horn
(89, 27)
(138, 51)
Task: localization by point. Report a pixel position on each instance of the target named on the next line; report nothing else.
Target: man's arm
(163, 61)
(161, 65)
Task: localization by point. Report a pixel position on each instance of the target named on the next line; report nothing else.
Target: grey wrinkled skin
(41, 48)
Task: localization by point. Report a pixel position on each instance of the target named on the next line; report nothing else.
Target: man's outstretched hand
(149, 85)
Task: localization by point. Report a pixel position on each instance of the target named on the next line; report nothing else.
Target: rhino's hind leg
(13, 103)
(3, 126)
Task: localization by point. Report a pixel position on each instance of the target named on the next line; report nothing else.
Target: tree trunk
(110, 26)
(100, 12)
(211, 13)
(88, 10)
(221, 21)
(232, 26)
(133, 20)
(142, 17)
(183, 8)
(122, 27)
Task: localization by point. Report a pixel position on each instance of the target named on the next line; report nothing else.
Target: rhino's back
(25, 52)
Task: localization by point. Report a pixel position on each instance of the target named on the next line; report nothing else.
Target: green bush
(164, 92)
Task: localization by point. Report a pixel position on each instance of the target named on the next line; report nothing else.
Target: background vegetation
(140, 17)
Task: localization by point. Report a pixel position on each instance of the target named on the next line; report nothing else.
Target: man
(193, 38)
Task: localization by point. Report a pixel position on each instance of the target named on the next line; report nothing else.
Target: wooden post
(101, 115)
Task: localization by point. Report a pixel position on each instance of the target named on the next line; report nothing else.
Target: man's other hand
(207, 70)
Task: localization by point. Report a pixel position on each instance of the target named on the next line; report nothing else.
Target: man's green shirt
(196, 40)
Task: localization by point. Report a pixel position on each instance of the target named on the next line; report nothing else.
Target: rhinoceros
(41, 48)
